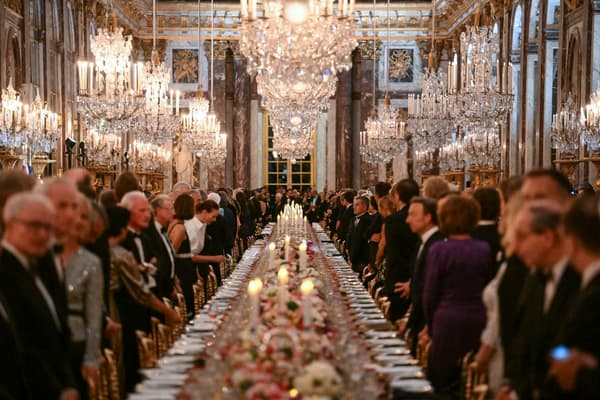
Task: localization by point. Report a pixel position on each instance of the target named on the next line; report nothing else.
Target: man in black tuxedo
(358, 242)
(136, 242)
(40, 326)
(12, 370)
(578, 375)
(400, 246)
(487, 227)
(158, 240)
(422, 220)
(547, 297)
(345, 215)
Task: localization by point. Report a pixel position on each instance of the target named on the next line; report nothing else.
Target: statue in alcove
(184, 164)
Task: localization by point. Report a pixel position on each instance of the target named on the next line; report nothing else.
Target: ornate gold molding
(366, 49)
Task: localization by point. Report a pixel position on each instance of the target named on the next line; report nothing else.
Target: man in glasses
(40, 327)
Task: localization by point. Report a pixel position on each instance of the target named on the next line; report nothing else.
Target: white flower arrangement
(319, 379)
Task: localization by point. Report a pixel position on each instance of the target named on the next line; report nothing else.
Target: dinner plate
(393, 350)
(186, 349)
(387, 341)
(411, 385)
(381, 334)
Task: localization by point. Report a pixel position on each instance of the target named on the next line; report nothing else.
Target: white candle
(254, 288)
(271, 255)
(287, 248)
(177, 94)
(306, 288)
(244, 13)
(302, 254)
(282, 275)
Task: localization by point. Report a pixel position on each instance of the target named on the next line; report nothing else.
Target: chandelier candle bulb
(306, 288)
(244, 7)
(177, 95)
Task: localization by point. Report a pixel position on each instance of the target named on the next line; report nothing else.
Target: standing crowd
(501, 283)
(507, 278)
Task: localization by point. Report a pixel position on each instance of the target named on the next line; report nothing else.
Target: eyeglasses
(36, 225)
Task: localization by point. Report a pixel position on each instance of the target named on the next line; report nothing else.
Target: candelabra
(590, 119)
(566, 130)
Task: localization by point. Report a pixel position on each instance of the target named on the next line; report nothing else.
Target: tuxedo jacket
(582, 331)
(12, 368)
(358, 242)
(165, 279)
(219, 237)
(45, 346)
(539, 332)
(416, 320)
(129, 244)
(345, 216)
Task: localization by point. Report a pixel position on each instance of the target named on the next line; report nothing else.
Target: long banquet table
(333, 343)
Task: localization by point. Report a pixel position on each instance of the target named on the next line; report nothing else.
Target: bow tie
(163, 230)
(57, 248)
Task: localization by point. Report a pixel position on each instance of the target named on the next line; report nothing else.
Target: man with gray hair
(547, 296)
(40, 325)
(157, 238)
(180, 188)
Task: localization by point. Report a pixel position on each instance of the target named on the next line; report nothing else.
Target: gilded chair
(474, 383)
(112, 375)
(146, 350)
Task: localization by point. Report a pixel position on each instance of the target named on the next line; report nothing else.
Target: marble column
(241, 125)
(356, 116)
(344, 130)
(321, 153)
(229, 92)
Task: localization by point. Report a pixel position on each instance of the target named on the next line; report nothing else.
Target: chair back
(112, 375)
(146, 350)
(474, 383)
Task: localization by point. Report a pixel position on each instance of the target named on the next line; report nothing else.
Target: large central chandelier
(110, 88)
(299, 41)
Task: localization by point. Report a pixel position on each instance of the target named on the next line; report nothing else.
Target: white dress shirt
(425, 237)
(196, 231)
(552, 283)
(167, 244)
(590, 273)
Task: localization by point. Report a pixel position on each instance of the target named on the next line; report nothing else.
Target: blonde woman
(84, 283)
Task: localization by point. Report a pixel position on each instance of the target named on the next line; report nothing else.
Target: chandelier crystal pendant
(566, 130)
(110, 88)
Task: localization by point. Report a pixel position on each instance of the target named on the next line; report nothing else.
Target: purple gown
(457, 272)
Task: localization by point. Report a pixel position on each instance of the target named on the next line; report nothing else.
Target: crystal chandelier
(201, 130)
(149, 156)
(42, 126)
(102, 150)
(429, 118)
(292, 146)
(297, 35)
(566, 130)
(481, 145)
(384, 136)
(12, 122)
(590, 119)
(110, 88)
(293, 127)
(481, 98)
(452, 156)
(160, 120)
